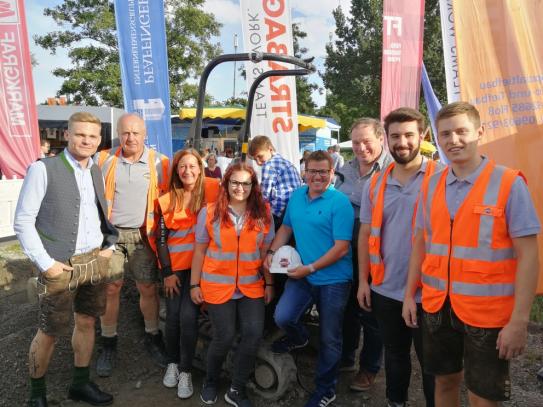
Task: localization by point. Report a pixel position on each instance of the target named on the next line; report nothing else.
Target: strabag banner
(403, 28)
(141, 35)
(500, 66)
(267, 27)
(19, 132)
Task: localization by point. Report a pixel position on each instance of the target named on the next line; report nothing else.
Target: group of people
(402, 248)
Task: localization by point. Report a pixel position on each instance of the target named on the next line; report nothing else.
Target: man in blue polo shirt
(321, 219)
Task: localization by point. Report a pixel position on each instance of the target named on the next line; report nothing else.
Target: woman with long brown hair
(232, 237)
(188, 192)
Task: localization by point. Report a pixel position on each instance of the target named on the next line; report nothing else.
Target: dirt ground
(138, 382)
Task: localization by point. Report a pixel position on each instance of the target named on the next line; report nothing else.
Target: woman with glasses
(188, 192)
(232, 237)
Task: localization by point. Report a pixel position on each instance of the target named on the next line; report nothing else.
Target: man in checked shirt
(279, 176)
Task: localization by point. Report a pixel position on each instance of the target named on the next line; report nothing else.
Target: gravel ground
(138, 382)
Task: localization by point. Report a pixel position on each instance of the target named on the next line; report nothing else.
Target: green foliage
(536, 313)
(353, 64)
(87, 28)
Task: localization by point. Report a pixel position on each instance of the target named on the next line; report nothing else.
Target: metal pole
(235, 65)
(196, 126)
(246, 129)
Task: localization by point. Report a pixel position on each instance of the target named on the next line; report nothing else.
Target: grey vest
(58, 219)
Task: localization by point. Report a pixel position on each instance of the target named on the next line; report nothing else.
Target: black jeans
(397, 338)
(248, 313)
(181, 331)
(356, 318)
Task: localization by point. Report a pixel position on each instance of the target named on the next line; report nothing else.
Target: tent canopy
(305, 122)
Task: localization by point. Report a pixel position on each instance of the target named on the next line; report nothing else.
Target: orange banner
(500, 63)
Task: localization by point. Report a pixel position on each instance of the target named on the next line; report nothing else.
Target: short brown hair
(404, 115)
(260, 143)
(83, 117)
(368, 122)
(319, 155)
(457, 108)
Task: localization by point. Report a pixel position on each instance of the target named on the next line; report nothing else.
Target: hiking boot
(184, 386)
(363, 381)
(319, 400)
(106, 359)
(208, 395)
(237, 398)
(171, 377)
(285, 345)
(155, 347)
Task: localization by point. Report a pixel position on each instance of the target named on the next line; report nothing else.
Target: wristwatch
(270, 251)
(311, 268)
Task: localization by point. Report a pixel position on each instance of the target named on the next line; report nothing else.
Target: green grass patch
(536, 314)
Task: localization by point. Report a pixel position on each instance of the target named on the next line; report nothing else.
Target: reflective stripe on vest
(179, 248)
(181, 233)
(483, 290)
(434, 282)
(219, 255)
(218, 278)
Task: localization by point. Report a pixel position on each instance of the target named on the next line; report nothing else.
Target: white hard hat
(286, 258)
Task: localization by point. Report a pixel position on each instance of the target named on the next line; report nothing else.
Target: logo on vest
(8, 12)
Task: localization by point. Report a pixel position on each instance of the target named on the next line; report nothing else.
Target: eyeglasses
(322, 173)
(244, 185)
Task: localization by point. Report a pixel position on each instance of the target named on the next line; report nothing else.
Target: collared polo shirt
(353, 183)
(398, 213)
(317, 223)
(131, 188)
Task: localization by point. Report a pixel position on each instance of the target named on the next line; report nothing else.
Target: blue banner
(433, 105)
(141, 34)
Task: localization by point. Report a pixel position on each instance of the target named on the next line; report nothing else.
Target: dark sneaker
(237, 398)
(155, 347)
(319, 400)
(285, 345)
(106, 359)
(208, 395)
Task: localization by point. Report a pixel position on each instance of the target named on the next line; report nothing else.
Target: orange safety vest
(470, 259)
(378, 183)
(181, 226)
(157, 185)
(232, 261)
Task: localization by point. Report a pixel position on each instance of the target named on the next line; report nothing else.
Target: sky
(314, 16)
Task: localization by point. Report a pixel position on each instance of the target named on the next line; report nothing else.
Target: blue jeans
(330, 299)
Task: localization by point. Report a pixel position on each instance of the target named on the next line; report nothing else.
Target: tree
(352, 73)
(87, 29)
